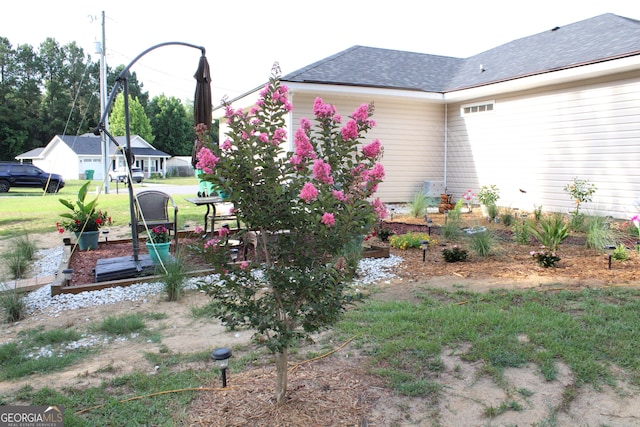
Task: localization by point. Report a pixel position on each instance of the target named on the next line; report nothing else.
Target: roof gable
(375, 67)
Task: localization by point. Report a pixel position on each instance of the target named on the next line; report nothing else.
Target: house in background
(180, 166)
(71, 156)
(527, 116)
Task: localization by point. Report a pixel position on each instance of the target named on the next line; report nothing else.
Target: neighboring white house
(72, 156)
(527, 116)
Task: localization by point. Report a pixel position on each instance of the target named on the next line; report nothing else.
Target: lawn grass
(31, 211)
(590, 330)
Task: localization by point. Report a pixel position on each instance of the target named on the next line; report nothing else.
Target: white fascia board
(546, 79)
(320, 89)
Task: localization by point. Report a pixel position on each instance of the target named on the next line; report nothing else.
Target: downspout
(446, 142)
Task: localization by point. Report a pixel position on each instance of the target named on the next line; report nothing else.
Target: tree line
(55, 90)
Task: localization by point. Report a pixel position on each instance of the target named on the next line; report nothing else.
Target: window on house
(482, 107)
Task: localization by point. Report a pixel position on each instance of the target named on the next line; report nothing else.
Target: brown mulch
(343, 393)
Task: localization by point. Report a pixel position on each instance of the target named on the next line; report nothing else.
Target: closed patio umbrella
(202, 100)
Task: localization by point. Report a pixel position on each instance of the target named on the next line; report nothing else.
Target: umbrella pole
(127, 154)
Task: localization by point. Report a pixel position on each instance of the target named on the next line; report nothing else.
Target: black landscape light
(67, 273)
(610, 249)
(221, 357)
(425, 245)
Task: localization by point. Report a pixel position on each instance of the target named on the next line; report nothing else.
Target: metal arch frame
(123, 80)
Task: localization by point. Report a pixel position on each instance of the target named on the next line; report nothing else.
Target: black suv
(27, 175)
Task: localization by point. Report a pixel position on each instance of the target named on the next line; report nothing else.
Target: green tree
(172, 128)
(139, 123)
(305, 208)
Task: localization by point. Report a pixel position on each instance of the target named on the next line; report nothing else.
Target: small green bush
(12, 304)
(521, 233)
(481, 243)
(599, 232)
(507, 217)
(418, 204)
(455, 254)
(173, 278)
(620, 253)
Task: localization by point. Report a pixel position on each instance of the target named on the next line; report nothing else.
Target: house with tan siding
(527, 116)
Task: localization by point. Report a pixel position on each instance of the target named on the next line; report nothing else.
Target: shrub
(521, 233)
(489, 195)
(455, 214)
(481, 243)
(580, 190)
(455, 254)
(492, 211)
(17, 265)
(410, 240)
(551, 231)
(418, 204)
(173, 277)
(24, 246)
(599, 232)
(545, 257)
(383, 232)
(537, 213)
(507, 217)
(12, 303)
(620, 253)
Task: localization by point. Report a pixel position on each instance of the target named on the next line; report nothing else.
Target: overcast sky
(243, 39)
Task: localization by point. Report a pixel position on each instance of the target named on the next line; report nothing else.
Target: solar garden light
(393, 211)
(67, 273)
(425, 245)
(106, 235)
(428, 221)
(610, 249)
(221, 357)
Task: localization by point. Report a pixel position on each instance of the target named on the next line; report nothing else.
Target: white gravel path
(370, 271)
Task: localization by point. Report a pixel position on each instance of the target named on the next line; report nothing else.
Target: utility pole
(103, 103)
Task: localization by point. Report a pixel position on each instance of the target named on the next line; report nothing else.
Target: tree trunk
(281, 375)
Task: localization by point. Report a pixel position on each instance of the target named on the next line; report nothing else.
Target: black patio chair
(152, 208)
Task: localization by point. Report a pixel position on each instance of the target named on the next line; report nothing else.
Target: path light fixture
(610, 249)
(106, 236)
(393, 211)
(67, 273)
(221, 357)
(424, 245)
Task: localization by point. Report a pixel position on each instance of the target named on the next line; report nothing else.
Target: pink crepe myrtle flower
(377, 172)
(226, 145)
(278, 136)
(244, 265)
(223, 232)
(211, 243)
(379, 208)
(339, 195)
(362, 113)
(322, 110)
(308, 192)
(328, 219)
(305, 124)
(263, 137)
(304, 149)
(322, 172)
(350, 130)
(206, 160)
(372, 150)
(198, 229)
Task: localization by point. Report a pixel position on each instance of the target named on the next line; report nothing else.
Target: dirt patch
(338, 390)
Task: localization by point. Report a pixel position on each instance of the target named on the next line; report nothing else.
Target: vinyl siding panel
(540, 141)
(410, 132)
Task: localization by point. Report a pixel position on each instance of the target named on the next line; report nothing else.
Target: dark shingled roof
(597, 39)
(90, 145)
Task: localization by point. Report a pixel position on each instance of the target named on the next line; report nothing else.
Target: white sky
(244, 38)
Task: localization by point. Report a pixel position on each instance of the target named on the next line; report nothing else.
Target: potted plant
(159, 243)
(84, 219)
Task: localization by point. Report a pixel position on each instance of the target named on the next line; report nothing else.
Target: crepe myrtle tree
(304, 206)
